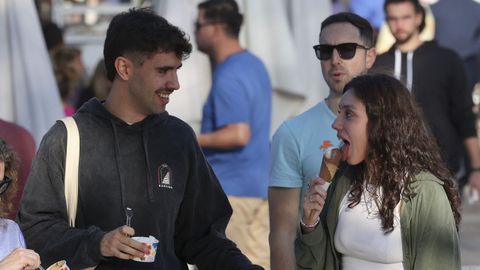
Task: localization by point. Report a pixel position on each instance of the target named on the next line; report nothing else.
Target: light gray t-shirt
(10, 237)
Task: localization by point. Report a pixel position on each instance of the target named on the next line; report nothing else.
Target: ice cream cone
(330, 162)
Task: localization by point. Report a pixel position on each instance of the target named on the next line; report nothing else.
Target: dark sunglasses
(345, 50)
(5, 184)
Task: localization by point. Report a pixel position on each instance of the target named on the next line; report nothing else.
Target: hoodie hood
(95, 107)
(426, 45)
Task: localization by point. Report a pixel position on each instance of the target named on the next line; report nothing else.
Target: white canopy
(28, 92)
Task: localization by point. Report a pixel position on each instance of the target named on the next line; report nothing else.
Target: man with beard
(346, 50)
(134, 156)
(236, 125)
(436, 77)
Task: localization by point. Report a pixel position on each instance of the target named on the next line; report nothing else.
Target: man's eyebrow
(166, 68)
(399, 17)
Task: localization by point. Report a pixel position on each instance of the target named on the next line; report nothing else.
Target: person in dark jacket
(460, 33)
(133, 154)
(436, 78)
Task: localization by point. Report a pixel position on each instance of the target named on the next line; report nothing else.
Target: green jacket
(429, 235)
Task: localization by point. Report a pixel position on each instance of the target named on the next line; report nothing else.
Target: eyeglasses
(345, 50)
(5, 184)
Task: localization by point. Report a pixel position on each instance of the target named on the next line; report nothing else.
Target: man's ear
(418, 20)
(370, 58)
(123, 66)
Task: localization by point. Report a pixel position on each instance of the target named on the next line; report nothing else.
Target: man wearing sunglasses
(345, 51)
(437, 79)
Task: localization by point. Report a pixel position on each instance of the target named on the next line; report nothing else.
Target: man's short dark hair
(365, 28)
(416, 4)
(223, 11)
(141, 32)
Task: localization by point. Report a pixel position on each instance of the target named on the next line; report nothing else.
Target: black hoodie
(437, 79)
(154, 167)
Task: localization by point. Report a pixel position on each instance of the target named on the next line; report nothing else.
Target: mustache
(336, 70)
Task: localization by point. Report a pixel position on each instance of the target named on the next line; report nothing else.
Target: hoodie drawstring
(398, 67)
(117, 153)
(149, 172)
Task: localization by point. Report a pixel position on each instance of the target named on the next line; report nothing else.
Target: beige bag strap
(71, 168)
(72, 162)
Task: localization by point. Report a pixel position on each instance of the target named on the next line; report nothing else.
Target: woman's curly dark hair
(10, 159)
(400, 146)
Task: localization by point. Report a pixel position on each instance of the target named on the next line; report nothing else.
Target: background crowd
(253, 93)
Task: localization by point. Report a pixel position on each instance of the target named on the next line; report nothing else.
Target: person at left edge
(13, 254)
(132, 154)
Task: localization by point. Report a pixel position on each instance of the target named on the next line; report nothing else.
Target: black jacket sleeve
(461, 98)
(43, 214)
(204, 214)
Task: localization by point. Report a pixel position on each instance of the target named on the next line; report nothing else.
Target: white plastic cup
(471, 195)
(152, 242)
(60, 265)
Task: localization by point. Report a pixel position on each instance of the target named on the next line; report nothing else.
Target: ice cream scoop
(330, 162)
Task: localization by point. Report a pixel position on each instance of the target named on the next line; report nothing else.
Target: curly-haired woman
(13, 255)
(393, 204)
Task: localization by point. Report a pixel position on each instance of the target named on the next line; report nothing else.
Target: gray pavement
(470, 236)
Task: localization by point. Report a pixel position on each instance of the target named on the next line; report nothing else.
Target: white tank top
(361, 241)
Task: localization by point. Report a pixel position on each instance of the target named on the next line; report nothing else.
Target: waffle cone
(330, 165)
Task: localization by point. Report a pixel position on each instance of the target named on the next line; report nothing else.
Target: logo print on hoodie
(164, 177)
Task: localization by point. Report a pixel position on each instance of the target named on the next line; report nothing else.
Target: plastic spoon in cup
(129, 214)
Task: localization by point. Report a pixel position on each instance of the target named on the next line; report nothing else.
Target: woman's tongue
(344, 149)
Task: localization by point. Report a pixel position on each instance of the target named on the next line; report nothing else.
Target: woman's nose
(337, 123)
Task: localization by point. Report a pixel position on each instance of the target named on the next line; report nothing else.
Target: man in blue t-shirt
(236, 125)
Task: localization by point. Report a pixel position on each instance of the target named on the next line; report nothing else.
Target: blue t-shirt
(296, 153)
(241, 93)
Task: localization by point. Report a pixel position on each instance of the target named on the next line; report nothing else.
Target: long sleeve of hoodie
(461, 98)
(204, 214)
(43, 214)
